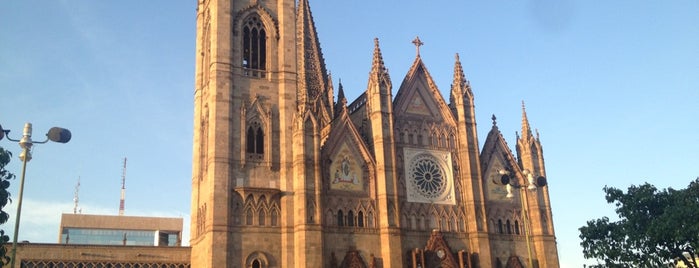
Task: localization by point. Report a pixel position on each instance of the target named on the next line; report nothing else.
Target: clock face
(427, 176)
(440, 254)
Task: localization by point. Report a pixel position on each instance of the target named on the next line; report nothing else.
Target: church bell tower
(262, 95)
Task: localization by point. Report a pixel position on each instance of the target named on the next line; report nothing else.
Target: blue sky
(612, 87)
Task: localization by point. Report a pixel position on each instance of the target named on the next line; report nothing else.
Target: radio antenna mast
(123, 189)
(76, 199)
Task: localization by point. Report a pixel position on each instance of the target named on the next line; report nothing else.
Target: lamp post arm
(7, 133)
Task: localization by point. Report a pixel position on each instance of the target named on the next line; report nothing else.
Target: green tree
(5, 177)
(655, 228)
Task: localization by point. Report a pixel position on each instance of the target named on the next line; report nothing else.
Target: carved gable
(496, 157)
(419, 97)
(438, 253)
(348, 164)
(353, 260)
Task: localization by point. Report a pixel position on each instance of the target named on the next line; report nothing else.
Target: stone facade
(285, 176)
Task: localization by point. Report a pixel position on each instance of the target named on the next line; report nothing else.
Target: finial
(417, 44)
(494, 120)
(457, 57)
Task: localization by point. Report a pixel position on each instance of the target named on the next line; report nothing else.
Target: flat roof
(87, 221)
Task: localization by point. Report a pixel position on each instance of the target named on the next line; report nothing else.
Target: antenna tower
(75, 198)
(123, 189)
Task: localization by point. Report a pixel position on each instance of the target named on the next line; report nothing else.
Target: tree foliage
(5, 177)
(655, 228)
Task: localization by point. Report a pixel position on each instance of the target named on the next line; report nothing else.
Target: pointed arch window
(350, 218)
(255, 140)
(248, 217)
(516, 227)
(340, 218)
(261, 217)
(360, 219)
(254, 47)
(500, 229)
(509, 227)
(273, 218)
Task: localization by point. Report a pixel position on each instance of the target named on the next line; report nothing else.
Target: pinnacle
(526, 129)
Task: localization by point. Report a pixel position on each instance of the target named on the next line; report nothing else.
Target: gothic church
(287, 173)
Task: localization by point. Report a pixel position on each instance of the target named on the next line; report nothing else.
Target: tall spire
(313, 77)
(526, 129)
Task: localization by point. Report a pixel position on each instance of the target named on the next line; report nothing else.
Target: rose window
(427, 177)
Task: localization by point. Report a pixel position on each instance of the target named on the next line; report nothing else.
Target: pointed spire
(459, 76)
(377, 65)
(460, 87)
(330, 94)
(526, 130)
(378, 69)
(341, 105)
(341, 93)
(460, 81)
(313, 77)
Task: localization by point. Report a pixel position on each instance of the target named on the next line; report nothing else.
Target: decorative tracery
(428, 176)
(255, 141)
(254, 46)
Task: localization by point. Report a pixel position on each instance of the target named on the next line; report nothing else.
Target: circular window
(427, 176)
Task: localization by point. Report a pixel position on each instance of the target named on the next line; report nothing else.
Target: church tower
(531, 158)
(262, 95)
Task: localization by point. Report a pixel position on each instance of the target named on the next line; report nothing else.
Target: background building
(82, 229)
(285, 175)
(110, 241)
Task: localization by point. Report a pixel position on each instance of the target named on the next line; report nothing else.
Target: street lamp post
(530, 184)
(56, 134)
